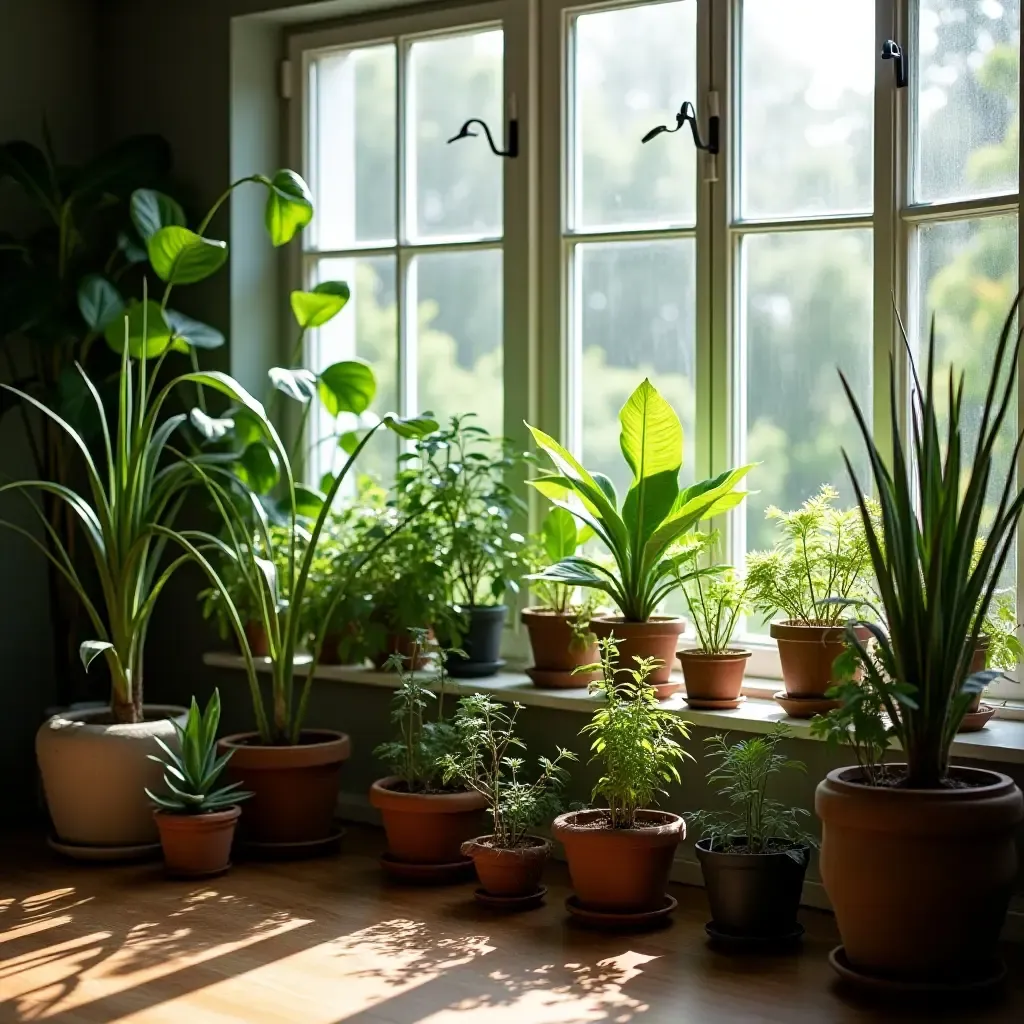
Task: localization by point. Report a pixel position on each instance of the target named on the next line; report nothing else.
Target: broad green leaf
(301, 385)
(180, 256)
(348, 386)
(322, 304)
(210, 427)
(152, 210)
(133, 249)
(193, 332)
(559, 534)
(577, 572)
(308, 502)
(90, 650)
(259, 467)
(412, 427)
(99, 302)
(289, 206)
(145, 320)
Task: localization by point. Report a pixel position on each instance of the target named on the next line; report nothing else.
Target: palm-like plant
(935, 591)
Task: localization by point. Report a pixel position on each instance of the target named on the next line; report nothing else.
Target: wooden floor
(328, 941)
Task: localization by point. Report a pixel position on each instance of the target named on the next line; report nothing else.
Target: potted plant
(620, 856)
(559, 624)
(463, 471)
(426, 819)
(896, 834)
(713, 670)
(820, 566)
(196, 818)
(640, 535)
(509, 861)
(754, 855)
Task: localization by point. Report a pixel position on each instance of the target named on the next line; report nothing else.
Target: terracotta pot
(807, 654)
(619, 870)
(979, 660)
(295, 788)
(656, 638)
(256, 636)
(94, 773)
(556, 651)
(714, 676)
(920, 880)
(504, 872)
(401, 643)
(427, 828)
(197, 845)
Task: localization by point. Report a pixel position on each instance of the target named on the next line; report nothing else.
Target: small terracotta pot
(619, 870)
(888, 856)
(807, 654)
(979, 661)
(714, 676)
(656, 638)
(556, 651)
(295, 788)
(401, 643)
(427, 828)
(197, 845)
(256, 637)
(504, 872)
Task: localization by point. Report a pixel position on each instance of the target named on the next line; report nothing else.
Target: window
(547, 286)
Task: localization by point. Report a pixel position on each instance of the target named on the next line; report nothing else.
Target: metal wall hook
(513, 136)
(891, 50)
(688, 115)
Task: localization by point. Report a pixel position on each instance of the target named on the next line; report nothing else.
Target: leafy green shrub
(715, 597)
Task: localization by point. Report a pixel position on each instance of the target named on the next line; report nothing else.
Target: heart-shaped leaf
(412, 427)
(99, 301)
(146, 320)
(348, 441)
(322, 304)
(152, 210)
(180, 256)
(299, 385)
(289, 206)
(210, 428)
(348, 386)
(259, 467)
(196, 333)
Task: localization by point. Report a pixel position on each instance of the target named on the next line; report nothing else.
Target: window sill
(1001, 740)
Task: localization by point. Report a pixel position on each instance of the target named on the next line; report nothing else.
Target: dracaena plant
(934, 589)
(655, 514)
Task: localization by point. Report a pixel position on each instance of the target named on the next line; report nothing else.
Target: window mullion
(406, 337)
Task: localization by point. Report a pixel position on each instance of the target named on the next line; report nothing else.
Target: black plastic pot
(753, 894)
(481, 640)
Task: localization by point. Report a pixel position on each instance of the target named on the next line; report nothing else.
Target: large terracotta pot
(426, 828)
(295, 788)
(504, 872)
(713, 677)
(807, 654)
(95, 772)
(556, 651)
(920, 880)
(619, 870)
(197, 845)
(656, 638)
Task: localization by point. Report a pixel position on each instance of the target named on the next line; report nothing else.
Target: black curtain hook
(891, 50)
(513, 136)
(688, 115)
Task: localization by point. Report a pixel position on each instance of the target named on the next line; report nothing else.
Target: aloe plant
(655, 514)
(191, 772)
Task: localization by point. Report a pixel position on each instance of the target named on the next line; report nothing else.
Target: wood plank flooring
(328, 941)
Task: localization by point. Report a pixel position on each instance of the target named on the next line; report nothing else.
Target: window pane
(352, 146)
(458, 296)
(967, 280)
(633, 69)
(967, 98)
(366, 329)
(635, 306)
(455, 190)
(806, 107)
(807, 310)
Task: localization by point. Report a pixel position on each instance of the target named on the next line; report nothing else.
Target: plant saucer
(618, 921)
(739, 941)
(104, 854)
(700, 704)
(474, 669)
(665, 690)
(511, 903)
(975, 721)
(990, 976)
(805, 707)
(460, 870)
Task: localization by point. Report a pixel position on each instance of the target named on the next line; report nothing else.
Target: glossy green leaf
(300, 385)
(559, 533)
(410, 427)
(259, 467)
(180, 256)
(99, 302)
(156, 330)
(348, 442)
(322, 304)
(348, 386)
(194, 332)
(90, 650)
(289, 206)
(152, 210)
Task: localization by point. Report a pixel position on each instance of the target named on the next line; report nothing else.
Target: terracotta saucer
(292, 851)
(104, 854)
(975, 721)
(511, 903)
(665, 690)
(740, 941)
(991, 976)
(804, 707)
(622, 922)
(713, 705)
(427, 874)
(544, 680)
